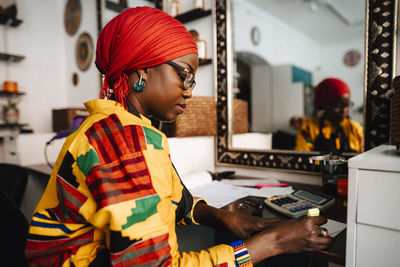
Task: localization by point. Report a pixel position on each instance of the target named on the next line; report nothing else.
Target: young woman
(332, 130)
(114, 197)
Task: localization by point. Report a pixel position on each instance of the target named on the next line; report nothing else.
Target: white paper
(273, 191)
(334, 227)
(219, 193)
(194, 179)
(249, 182)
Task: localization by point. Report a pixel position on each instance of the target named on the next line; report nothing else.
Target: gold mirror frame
(379, 70)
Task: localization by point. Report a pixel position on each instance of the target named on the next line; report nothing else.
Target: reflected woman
(332, 130)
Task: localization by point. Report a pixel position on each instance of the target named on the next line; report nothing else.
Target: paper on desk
(221, 193)
(249, 182)
(197, 178)
(262, 192)
(334, 227)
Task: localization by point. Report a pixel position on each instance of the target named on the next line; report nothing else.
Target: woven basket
(395, 112)
(240, 116)
(200, 118)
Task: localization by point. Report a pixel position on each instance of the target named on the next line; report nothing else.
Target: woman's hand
(292, 236)
(242, 225)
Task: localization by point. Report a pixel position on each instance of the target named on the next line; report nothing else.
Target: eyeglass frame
(340, 106)
(186, 78)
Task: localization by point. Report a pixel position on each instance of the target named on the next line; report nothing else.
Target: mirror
(313, 40)
(371, 86)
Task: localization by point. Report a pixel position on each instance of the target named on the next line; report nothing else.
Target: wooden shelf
(205, 62)
(117, 7)
(12, 126)
(193, 15)
(10, 57)
(7, 94)
(12, 22)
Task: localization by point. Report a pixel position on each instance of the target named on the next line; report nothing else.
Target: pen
(272, 185)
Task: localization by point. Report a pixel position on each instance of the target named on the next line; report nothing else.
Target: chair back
(13, 180)
(14, 228)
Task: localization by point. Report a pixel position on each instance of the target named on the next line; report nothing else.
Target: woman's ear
(143, 73)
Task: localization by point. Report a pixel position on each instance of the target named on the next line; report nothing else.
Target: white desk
(373, 214)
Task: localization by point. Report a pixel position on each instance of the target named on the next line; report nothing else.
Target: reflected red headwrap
(328, 90)
(138, 38)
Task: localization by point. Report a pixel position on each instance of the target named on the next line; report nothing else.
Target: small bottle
(198, 4)
(201, 45)
(174, 8)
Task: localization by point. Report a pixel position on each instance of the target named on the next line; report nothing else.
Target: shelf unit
(193, 15)
(12, 22)
(205, 62)
(12, 125)
(11, 57)
(117, 7)
(10, 94)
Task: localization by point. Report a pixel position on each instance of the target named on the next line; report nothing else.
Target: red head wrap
(138, 38)
(328, 90)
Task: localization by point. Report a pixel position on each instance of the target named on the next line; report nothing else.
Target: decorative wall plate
(84, 51)
(352, 58)
(72, 16)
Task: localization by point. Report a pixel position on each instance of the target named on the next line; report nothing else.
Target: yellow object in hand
(313, 212)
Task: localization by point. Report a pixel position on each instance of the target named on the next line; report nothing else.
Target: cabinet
(373, 215)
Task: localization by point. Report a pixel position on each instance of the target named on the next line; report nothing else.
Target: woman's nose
(187, 93)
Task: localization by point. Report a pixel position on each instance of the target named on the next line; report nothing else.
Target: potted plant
(11, 112)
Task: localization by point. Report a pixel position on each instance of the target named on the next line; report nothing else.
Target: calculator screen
(310, 196)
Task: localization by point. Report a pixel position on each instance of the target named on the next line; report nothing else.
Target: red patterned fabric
(328, 90)
(150, 252)
(121, 162)
(138, 38)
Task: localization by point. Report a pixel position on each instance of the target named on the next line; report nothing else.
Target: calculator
(299, 202)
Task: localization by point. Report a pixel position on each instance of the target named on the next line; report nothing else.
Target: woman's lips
(181, 107)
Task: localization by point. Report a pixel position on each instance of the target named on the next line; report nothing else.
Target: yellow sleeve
(356, 137)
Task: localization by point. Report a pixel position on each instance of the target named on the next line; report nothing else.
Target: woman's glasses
(187, 78)
(341, 106)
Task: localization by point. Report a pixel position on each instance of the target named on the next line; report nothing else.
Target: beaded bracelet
(242, 256)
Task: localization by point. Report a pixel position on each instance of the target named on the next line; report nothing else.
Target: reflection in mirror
(281, 51)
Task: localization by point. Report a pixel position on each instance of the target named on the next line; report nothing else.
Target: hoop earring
(139, 85)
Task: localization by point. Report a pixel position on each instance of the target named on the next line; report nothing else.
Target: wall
(41, 39)
(279, 44)
(89, 80)
(46, 73)
(261, 98)
(288, 98)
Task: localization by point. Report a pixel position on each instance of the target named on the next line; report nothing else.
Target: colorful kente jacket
(114, 188)
(312, 128)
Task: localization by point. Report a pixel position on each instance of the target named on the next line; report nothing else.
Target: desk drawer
(377, 247)
(379, 198)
